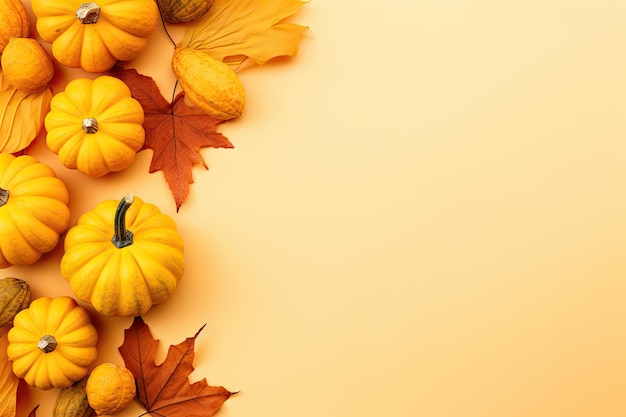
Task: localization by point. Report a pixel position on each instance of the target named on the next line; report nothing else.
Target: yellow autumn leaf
(8, 382)
(21, 116)
(235, 30)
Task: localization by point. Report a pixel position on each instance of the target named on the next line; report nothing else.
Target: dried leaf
(8, 382)
(21, 116)
(164, 389)
(33, 412)
(174, 131)
(234, 30)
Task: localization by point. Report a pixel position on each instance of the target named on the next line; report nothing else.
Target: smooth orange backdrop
(423, 216)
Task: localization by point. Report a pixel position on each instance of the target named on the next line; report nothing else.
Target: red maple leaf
(174, 131)
(164, 390)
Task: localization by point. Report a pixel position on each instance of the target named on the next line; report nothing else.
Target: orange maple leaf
(164, 389)
(174, 131)
(235, 30)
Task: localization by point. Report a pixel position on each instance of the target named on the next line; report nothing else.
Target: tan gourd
(176, 11)
(14, 297)
(72, 401)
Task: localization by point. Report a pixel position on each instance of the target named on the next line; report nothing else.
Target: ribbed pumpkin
(14, 21)
(14, 297)
(52, 343)
(94, 35)
(123, 257)
(95, 126)
(33, 209)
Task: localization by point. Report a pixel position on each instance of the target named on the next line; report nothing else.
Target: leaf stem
(164, 25)
(174, 92)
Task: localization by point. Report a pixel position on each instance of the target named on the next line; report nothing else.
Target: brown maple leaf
(164, 390)
(174, 131)
(33, 412)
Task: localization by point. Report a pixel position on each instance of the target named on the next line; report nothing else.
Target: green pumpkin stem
(123, 237)
(4, 196)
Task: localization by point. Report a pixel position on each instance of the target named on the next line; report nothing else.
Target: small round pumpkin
(33, 209)
(110, 388)
(14, 21)
(94, 35)
(95, 126)
(52, 343)
(26, 65)
(124, 257)
(14, 297)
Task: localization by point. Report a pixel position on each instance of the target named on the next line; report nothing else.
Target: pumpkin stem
(4, 196)
(90, 125)
(123, 237)
(88, 13)
(47, 343)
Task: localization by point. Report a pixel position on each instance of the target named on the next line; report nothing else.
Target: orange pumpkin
(33, 209)
(94, 35)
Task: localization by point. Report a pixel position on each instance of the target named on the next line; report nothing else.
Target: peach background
(423, 215)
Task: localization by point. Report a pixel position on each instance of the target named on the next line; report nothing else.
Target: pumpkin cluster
(124, 256)
(52, 343)
(121, 257)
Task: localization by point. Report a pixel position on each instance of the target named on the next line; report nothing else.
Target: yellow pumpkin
(124, 257)
(52, 343)
(33, 209)
(95, 126)
(94, 35)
